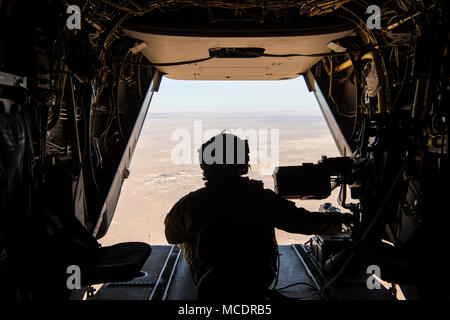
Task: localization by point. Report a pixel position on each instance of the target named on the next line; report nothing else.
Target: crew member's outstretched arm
(287, 217)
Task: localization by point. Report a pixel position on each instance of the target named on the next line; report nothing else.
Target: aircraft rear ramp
(166, 276)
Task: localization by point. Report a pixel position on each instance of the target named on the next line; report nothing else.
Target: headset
(214, 155)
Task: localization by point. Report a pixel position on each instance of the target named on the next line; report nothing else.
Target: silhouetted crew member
(226, 229)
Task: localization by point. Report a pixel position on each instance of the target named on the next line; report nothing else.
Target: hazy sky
(236, 96)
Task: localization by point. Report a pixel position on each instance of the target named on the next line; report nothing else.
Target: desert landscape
(156, 183)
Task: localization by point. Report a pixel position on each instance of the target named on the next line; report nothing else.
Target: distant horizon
(231, 112)
(283, 96)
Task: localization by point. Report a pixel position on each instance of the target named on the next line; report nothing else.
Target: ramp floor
(166, 276)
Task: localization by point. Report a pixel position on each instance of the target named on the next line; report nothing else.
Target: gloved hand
(337, 219)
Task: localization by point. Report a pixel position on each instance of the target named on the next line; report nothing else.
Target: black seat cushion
(120, 262)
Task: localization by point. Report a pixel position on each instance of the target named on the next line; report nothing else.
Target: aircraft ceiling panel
(173, 48)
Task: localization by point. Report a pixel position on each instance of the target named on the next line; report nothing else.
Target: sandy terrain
(155, 183)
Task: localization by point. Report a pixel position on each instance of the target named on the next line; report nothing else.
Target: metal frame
(122, 172)
(155, 295)
(333, 126)
(310, 274)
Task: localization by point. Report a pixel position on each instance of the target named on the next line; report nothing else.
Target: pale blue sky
(236, 96)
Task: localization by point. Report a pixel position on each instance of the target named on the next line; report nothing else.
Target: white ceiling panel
(172, 48)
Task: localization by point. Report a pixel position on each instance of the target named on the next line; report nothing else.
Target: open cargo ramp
(166, 276)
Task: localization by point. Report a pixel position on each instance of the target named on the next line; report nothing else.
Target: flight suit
(229, 225)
